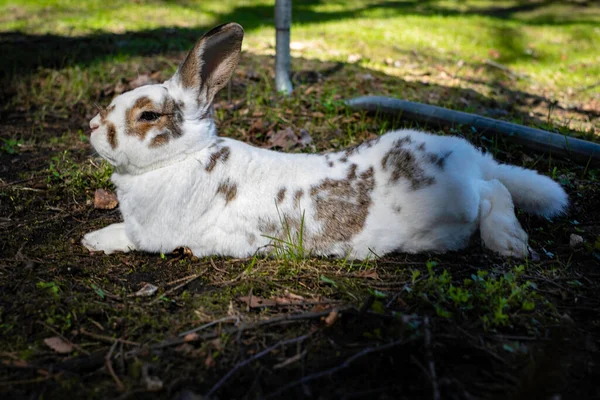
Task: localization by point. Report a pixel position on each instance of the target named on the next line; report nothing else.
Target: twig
(229, 282)
(168, 292)
(290, 360)
(504, 68)
(110, 369)
(104, 338)
(28, 381)
(430, 363)
(180, 280)
(212, 263)
(335, 369)
(208, 325)
(253, 358)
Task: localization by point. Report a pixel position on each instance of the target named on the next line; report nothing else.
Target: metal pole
(536, 139)
(283, 20)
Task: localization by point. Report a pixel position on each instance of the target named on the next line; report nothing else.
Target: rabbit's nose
(95, 123)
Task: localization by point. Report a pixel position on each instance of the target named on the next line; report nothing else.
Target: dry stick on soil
(429, 354)
(105, 338)
(191, 279)
(253, 358)
(110, 369)
(208, 325)
(335, 369)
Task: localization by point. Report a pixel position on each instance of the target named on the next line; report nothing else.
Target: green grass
(554, 46)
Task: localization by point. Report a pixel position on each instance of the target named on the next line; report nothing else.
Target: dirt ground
(462, 325)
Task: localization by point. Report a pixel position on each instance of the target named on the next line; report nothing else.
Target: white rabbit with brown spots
(179, 184)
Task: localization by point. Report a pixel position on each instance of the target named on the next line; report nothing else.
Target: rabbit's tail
(530, 191)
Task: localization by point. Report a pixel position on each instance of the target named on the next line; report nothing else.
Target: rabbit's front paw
(109, 240)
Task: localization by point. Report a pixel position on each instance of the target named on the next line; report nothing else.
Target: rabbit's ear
(209, 65)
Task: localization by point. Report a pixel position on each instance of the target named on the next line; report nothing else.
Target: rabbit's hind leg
(109, 239)
(500, 229)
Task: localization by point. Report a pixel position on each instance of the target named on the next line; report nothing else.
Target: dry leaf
(153, 383)
(288, 299)
(184, 349)
(331, 318)
(190, 337)
(369, 273)
(141, 80)
(352, 58)
(309, 90)
(147, 290)
(255, 302)
(209, 362)
(284, 139)
(293, 296)
(58, 345)
(305, 138)
(15, 363)
(105, 199)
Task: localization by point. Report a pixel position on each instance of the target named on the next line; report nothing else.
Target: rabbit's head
(154, 124)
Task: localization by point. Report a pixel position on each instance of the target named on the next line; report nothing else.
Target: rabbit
(180, 185)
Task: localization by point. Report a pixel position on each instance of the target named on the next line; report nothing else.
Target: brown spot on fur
(421, 147)
(330, 163)
(131, 116)
(440, 161)
(251, 238)
(297, 196)
(281, 195)
(342, 206)
(221, 155)
(169, 122)
(405, 140)
(228, 189)
(402, 163)
(397, 209)
(159, 140)
(111, 135)
(366, 144)
(351, 172)
(344, 159)
(267, 226)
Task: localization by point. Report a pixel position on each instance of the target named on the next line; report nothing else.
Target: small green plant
(64, 170)
(49, 287)
(498, 299)
(11, 145)
(289, 247)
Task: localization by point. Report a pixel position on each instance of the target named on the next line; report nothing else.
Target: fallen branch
(105, 338)
(109, 368)
(208, 325)
(430, 363)
(168, 292)
(536, 139)
(337, 368)
(251, 359)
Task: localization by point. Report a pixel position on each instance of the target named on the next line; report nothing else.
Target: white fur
(168, 199)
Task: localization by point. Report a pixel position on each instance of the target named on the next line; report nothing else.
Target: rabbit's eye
(149, 116)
